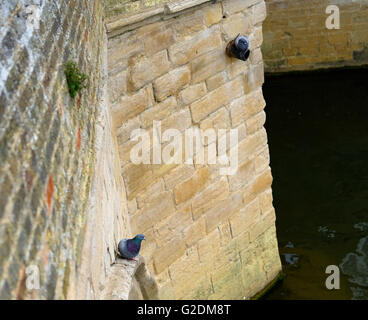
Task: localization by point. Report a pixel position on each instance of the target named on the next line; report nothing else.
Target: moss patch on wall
(75, 78)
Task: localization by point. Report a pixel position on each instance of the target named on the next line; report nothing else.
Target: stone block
(252, 274)
(186, 273)
(144, 69)
(245, 218)
(117, 85)
(190, 187)
(251, 145)
(189, 24)
(217, 98)
(235, 24)
(223, 210)
(193, 93)
(245, 107)
(254, 78)
(195, 231)
(262, 182)
(259, 13)
(150, 193)
(265, 199)
(158, 112)
(157, 38)
(212, 14)
(208, 40)
(208, 247)
(207, 65)
(233, 6)
(209, 197)
(179, 174)
(120, 52)
(173, 225)
(256, 38)
(225, 233)
(129, 106)
(256, 122)
(216, 81)
(256, 56)
(124, 131)
(167, 254)
(226, 283)
(220, 119)
(267, 220)
(179, 120)
(262, 160)
(243, 176)
(171, 82)
(238, 110)
(158, 209)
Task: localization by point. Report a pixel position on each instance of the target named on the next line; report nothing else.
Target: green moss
(268, 287)
(75, 79)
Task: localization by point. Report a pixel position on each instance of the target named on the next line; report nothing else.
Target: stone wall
(296, 37)
(107, 221)
(208, 236)
(47, 141)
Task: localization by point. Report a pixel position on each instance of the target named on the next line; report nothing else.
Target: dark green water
(317, 126)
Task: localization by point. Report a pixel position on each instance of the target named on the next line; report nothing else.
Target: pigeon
(242, 43)
(129, 248)
(239, 48)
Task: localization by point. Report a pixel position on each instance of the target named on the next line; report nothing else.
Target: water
(317, 126)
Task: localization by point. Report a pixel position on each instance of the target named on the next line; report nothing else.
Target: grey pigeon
(129, 248)
(242, 43)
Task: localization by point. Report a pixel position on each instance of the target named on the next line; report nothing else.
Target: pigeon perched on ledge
(129, 248)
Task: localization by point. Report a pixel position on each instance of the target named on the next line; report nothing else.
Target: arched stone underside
(296, 36)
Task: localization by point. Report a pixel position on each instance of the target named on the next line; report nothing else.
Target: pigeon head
(139, 237)
(242, 43)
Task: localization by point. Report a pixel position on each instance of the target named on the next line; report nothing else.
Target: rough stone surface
(47, 142)
(197, 222)
(296, 37)
(69, 190)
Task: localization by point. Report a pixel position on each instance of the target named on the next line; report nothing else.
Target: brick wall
(208, 236)
(46, 142)
(296, 38)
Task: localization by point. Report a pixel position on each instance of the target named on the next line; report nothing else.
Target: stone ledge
(120, 280)
(129, 280)
(182, 5)
(123, 21)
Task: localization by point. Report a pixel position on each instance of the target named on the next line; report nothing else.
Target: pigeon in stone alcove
(129, 248)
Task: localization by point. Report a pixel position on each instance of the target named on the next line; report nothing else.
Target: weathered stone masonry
(68, 190)
(209, 236)
(47, 142)
(296, 37)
